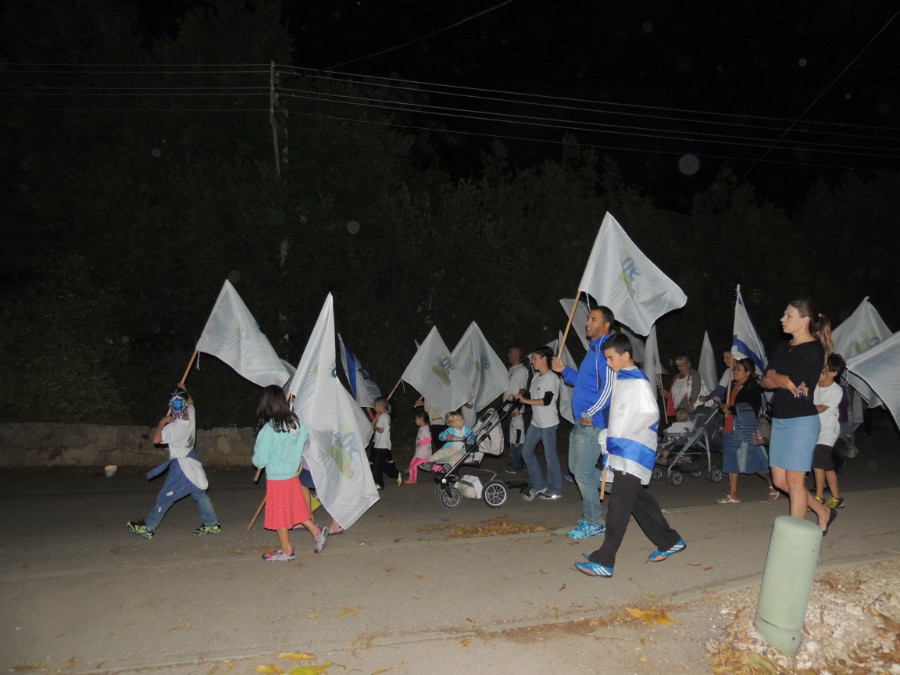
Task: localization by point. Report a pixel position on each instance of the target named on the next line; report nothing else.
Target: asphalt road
(396, 593)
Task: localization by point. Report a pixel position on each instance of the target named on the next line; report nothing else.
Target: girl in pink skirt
(279, 450)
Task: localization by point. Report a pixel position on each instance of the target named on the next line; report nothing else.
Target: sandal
(728, 499)
(773, 493)
(334, 533)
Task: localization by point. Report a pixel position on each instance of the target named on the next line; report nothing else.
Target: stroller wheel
(528, 494)
(495, 494)
(715, 475)
(675, 477)
(657, 473)
(450, 497)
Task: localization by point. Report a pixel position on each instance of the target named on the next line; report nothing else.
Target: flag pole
(394, 389)
(562, 343)
(663, 398)
(188, 369)
(256, 515)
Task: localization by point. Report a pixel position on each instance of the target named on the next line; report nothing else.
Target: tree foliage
(141, 203)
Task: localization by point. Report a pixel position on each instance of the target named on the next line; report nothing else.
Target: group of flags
(617, 274)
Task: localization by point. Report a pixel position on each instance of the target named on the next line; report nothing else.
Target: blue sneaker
(659, 556)
(569, 477)
(593, 569)
(584, 529)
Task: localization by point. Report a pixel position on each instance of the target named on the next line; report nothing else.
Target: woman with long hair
(793, 373)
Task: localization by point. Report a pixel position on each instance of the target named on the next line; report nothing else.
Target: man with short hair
(517, 382)
(590, 407)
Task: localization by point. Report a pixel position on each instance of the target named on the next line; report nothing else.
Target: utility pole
(272, 117)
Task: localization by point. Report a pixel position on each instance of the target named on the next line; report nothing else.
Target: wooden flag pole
(565, 336)
(188, 369)
(665, 406)
(394, 389)
(256, 515)
(603, 483)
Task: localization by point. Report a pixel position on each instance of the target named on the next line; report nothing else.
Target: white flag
(362, 386)
(707, 365)
(565, 391)
(621, 277)
(861, 331)
(232, 335)
(338, 428)
(435, 376)
(652, 365)
(579, 322)
(878, 367)
(485, 370)
(745, 342)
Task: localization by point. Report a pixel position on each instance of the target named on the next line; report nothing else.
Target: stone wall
(95, 445)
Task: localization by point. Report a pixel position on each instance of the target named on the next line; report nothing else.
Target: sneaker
(510, 470)
(279, 556)
(215, 528)
(835, 503)
(321, 539)
(379, 487)
(584, 529)
(139, 527)
(593, 569)
(548, 496)
(659, 556)
(851, 452)
(399, 479)
(819, 499)
(569, 477)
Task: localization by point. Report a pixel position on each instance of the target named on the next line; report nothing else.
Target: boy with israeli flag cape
(630, 453)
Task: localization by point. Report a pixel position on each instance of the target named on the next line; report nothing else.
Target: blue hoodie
(593, 385)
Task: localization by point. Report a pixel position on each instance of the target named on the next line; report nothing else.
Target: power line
(823, 92)
(423, 37)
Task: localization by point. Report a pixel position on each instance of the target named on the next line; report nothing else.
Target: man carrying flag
(590, 407)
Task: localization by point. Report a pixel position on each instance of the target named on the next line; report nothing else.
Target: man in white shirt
(516, 384)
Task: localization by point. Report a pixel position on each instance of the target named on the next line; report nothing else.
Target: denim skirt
(793, 441)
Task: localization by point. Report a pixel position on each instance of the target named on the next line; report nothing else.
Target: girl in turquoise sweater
(279, 450)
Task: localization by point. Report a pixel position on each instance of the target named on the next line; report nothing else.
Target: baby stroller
(486, 439)
(694, 450)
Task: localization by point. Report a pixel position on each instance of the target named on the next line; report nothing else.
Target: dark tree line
(125, 213)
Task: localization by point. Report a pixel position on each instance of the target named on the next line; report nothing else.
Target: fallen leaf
(394, 521)
(421, 577)
(553, 608)
(214, 669)
(297, 656)
(184, 625)
(543, 572)
(269, 670)
(127, 624)
(382, 670)
(347, 610)
(313, 616)
(464, 642)
(621, 648)
(310, 670)
(75, 662)
(707, 569)
(563, 587)
(694, 564)
(650, 615)
(471, 620)
(398, 540)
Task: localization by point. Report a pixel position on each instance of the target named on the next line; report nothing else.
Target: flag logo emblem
(629, 270)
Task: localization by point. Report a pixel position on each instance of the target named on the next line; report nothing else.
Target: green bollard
(787, 582)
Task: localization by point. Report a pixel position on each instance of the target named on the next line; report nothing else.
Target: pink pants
(414, 467)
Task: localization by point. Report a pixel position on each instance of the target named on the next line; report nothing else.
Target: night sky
(656, 65)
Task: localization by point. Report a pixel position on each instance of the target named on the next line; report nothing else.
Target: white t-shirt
(469, 414)
(423, 442)
(517, 379)
(830, 428)
(179, 435)
(383, 438)
(543, 416)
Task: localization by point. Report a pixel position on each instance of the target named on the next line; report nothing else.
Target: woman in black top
(793, 372)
